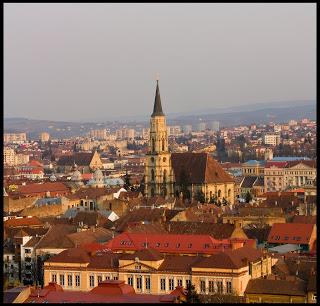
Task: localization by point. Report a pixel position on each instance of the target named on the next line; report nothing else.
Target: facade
(253, 168)
(271, 139)
(9, 156)
(150, 272)
(99, 134)
(44, 137)
(14, 137)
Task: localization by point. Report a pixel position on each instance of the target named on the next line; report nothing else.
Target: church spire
(157, 108)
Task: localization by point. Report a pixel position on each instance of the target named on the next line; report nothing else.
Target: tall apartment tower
(158, 173)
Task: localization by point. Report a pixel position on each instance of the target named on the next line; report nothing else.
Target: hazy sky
(86, 61)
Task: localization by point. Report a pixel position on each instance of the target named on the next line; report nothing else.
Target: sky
(94, 61)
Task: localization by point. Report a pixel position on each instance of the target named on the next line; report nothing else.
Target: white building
(9, 156)
(271, 139)
(14, 137)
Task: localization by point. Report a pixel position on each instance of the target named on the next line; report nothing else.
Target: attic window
(157, 244)
(206, 245)
(122, 242)
(286, 238)
(178, 245)
(166, 244)
(189, 245)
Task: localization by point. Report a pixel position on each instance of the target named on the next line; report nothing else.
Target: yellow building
(149, 271)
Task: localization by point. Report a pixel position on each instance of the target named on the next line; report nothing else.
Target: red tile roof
(293, 233)
(33, 189)
(25, 221)
(171, 243)
(278, 164)
(117, 287)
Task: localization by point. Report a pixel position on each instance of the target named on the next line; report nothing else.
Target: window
(206, 245)
(107, 277)
(77, 280)
(139, 282)
(69, 280)
(229, 287)
(138, 267)
(171, 284)
(219, 193)
(27, 251)
(179, 282)
(314, 297)
(61, 279)
(54, 278)
(152, 174)
(130, 280)
(190, 245)
(178, 245)
(202, 286)
(211, 286)
(115, 278)
(99, 279)
(163, 284)
(188, 283)
(148, 283)
(91, 280)
(220, 287)
(157, 244)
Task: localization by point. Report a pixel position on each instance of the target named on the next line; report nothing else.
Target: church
(188, 174)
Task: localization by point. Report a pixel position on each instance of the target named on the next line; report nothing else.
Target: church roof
(157, 108)
(198, 168)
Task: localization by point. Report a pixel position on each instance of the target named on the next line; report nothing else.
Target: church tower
(158, 173)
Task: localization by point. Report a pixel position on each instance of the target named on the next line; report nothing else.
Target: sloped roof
(99, 234)
(276, 287)
(80, 158)
(248, 181)
(294, 233)
(56, 237)
(157, 107)
(71, 255)
(182, 263)
(304, 219)
(21, 222)
(147, 254)
(40, 188)
(198, 168)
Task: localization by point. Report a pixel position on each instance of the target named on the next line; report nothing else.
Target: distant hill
(246, 114)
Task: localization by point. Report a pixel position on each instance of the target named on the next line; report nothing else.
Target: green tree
(248, 197)
(192, 295)
(200, 196)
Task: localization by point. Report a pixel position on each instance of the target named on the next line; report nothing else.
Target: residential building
(271, 139)
(44, 137)
(14, 137)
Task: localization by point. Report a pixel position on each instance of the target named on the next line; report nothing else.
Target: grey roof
(285, 248)
(157, 108)
(248, 181)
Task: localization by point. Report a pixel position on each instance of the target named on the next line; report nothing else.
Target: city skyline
(78, 73)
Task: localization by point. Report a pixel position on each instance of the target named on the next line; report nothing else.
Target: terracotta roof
(144, 254)
(198, 168)
(81, 159)
(117, 287)
(25, 221)
(99, 234)
(293, 233)
(41, 188)
(176, 263)
(168, 243)
(278, 164)
(90, 218)
(90, 193)
(32, 242)
(56, 237)
(233, 259)
(71, 255)
(276, 287)
(305, 219)
(216, 230)
(309, 163)
(104, 261)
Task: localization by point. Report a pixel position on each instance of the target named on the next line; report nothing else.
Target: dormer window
(178, 245)
(157, 244)
(190, 245)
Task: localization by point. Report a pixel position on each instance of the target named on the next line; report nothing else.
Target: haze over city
(99, 61)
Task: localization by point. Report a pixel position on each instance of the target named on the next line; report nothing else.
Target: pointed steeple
(157, 108)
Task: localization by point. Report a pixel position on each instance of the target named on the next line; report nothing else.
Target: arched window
(152, 192)
(152, 174)
(229, 193)
(163, 142)
(153, 145)
(210, 195)
(219, 193)
(164, 175)
(164, 191)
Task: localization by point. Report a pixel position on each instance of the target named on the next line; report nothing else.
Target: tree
(192, 295)
(127, 183)
(200, 196)
(248, 197)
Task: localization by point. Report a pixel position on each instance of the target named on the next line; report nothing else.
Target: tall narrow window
(130, 280)
(220, 287)
(77, 280)
(202, 286)
(69, 280)
(152, 174)
(229, 287)
(148, 283)
(153, 145)
(91, 279)
(61, 279)
(163, 144)
(164, 175)
(139, 282)
(163, 284)
(171, 284)
(219, 193)
(99, 279)
(211, 286)
(152, 192)
(54, 278)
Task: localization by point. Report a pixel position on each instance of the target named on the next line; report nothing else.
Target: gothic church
(170, 175)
